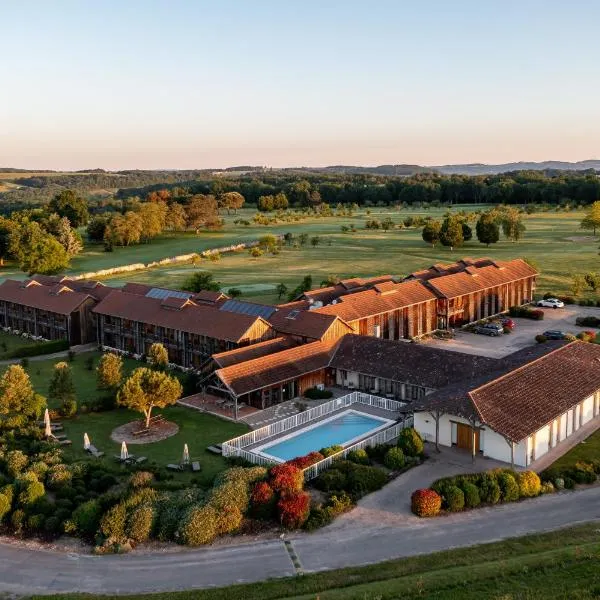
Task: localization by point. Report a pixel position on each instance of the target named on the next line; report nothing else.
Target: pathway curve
(363, 536)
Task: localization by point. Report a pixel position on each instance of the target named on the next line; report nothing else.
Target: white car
(551, 303)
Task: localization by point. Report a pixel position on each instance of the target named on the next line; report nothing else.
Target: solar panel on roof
(162, 293)
(247, 308)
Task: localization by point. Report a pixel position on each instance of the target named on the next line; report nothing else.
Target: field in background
(553, 241)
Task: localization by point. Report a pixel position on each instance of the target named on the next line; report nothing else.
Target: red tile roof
(474, 279)
(280, 367)
(197, 319)
(344, 287)
(306, 323)
(528, 398)
(94, 288)
(440, 269)
(58, 299)
(238, 355)
(373, 302)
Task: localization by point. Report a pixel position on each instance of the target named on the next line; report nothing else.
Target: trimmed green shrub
(112, 524)
(317, 394)
(472, 499)
(547, 487)
(583, 472)
(36, 349)
(559, 483)
(30, 490)
(489, 490)
(68, 407)
(509, 487)
(199, 526)
(53, 526)
(529, 484)
(15, 461)
(4, 506)
(360, 457)
(329, 450)
(454, 499)
(364, 480)
(59, 476)
(331, 480)
(394, 459)
(410, 442)
(141, 479)
(317, 517)
(87, 518)
(378, 452)
(139, 523)
(17, 520)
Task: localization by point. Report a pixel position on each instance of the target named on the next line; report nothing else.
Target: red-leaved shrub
(293, 509)
(426, 503)
(261, 494)
(286, 478)
(303, 462)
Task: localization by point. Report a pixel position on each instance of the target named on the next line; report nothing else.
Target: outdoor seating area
(186, 463)
(217, 405)
(51, 431)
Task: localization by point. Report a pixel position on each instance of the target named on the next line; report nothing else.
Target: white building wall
(588, 410)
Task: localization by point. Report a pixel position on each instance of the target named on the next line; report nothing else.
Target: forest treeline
(306, 188)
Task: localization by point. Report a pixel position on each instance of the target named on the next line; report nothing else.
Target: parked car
(551, 303)
(490, 329)
(507, 322)
(554, 334)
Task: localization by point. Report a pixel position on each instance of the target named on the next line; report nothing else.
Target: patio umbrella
(124, 453)
(86, 441)
(186, 455)
(47, 424)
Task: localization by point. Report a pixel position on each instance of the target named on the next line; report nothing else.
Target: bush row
(525, 312)
(583, 472)
(36, 349)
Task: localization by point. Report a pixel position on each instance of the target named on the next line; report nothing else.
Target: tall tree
(512, 224)
(109, 372)
(201, 281)
(281, 290)
(231, 201)
(18, 402)
(431, 232)
(591, 220)
(451, 233)
(6, 226)
(153, 216)
(67, 237)
(487, 229)
(176, 218)
(97, 228)
(68, 204)
(158, 356)
(147, 389)
(62, 389)
(201, 212)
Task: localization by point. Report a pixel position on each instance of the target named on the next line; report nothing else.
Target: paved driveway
(523, 334)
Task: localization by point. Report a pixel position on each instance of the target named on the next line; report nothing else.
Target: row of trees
(454, 230)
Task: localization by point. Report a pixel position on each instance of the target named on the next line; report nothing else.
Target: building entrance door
(464, 437)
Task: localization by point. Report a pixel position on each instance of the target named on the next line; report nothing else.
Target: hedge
(37, 349)
(317, 394)
(199, 526)
(526, 313)
(410, 442)
(582, 472)
(588, 322)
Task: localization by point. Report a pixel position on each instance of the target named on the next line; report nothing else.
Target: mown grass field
(561, 565)
(547, 242)
(196, 429)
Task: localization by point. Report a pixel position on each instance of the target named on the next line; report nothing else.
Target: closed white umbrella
(47, 424)
(186, 455)
(124, 453)
(86, 441)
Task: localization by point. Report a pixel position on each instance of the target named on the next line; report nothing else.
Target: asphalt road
(360, 537)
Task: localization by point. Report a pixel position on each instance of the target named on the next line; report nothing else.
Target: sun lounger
(140, 459)
(173, 467)
(60, 436)
(214, 449)
(65, 442)
(195, 467)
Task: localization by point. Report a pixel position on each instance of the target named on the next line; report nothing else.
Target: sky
(214, 83)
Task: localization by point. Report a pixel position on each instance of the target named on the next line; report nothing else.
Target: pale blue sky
(192, 84)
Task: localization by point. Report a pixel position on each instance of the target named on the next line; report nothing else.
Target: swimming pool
(342, 429)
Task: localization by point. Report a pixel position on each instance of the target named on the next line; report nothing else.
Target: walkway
(380, 528)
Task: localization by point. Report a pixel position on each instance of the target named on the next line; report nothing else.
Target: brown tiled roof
(344, 287)
(307, 323)
(524, 400)
(94, 288)
(417, 364)
(136, 288)
(238, 355)
(198, 319)
(210, 297)
(58, 299)
(480, 278)
(372, 302)
(280, 367)
(440, 269)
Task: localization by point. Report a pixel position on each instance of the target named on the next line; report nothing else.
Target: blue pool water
(340, 430)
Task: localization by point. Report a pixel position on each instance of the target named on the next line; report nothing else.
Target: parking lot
(522, 335)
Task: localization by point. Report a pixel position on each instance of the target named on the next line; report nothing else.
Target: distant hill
(390, 170)
(548, 165)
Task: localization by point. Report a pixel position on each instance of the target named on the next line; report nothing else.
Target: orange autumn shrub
(426, 503)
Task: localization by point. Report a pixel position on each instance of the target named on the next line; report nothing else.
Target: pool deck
(364, 408)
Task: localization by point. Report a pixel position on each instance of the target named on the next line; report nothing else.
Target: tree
(269, 242)
(330, 281)
(147, 389)
(97, 228)
(67, 237)
(68, 204)
(592, 280)
(62, 389)
(281, 290)
(315, 240)
(124, 230)
(231, 201)
(256, 252)
(36, 250)
(577, 284)
(591, 220)
(466, 231)
(201, 281)
(6, 226)
(303, 238)
(109, 372)
(512, 224)
(18, 402)
(451, 232)
(431, 232)
(234, 292)
(158, 356)
(202, 211)
(175, 219)
(153, 216)
(487, 229)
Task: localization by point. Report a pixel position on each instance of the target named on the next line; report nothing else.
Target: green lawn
(366, 252)
(558, 565)
(196, 429)
(10, 342)
(587, 450)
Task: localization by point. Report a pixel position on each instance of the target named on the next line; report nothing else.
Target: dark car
(554, 334)
(507, 322)
(494, 329)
